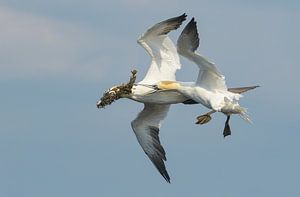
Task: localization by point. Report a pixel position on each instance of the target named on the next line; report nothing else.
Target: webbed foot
(227, 130)
(203, 119)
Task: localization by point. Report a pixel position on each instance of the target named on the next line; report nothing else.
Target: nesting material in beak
(117, 92)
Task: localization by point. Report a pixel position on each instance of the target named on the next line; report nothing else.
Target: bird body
(159, 88)
(217, 100)
(148, 94)
(210, 88)
(164, 64)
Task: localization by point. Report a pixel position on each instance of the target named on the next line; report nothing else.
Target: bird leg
(205, 118)
(227, 130)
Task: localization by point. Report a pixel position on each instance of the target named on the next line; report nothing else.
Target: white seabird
(164, 63)
(159, 87)
(210, 87)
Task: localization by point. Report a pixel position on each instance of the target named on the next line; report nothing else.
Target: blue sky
(57, 58)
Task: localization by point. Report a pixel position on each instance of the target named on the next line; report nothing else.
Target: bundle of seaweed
(117, 92)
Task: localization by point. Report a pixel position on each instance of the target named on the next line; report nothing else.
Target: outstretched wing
(241, 90)
(146, 128)
(165, 60)
(209, 76)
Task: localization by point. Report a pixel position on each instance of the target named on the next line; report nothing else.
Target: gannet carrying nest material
(210, 88)
(165, 62)
(159, 87)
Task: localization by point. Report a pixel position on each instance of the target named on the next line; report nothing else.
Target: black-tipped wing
(146, 128)
(165, 60)
(188, 39)
(165, 26)
(187, 44)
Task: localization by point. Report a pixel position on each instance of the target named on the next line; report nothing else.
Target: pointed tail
(243, 114)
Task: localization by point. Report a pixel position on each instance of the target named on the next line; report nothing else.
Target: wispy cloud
(33, 45)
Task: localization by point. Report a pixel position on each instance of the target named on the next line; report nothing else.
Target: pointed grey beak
(99, 105)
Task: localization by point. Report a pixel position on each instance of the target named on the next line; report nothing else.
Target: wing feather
(209, 76)
(241, 90)
(146, 128)
(164, 57)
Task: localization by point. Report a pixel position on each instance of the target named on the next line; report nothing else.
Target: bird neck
(168, 85)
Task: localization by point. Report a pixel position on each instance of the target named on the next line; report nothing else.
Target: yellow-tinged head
(168, 85)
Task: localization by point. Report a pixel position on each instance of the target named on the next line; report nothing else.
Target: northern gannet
(210, 88)
(164, 63)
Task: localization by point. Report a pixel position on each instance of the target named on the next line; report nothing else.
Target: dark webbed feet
(227, 130)
(203, 119)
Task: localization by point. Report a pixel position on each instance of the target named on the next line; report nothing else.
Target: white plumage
(164, 63)
(159, 87)
(210, 87)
